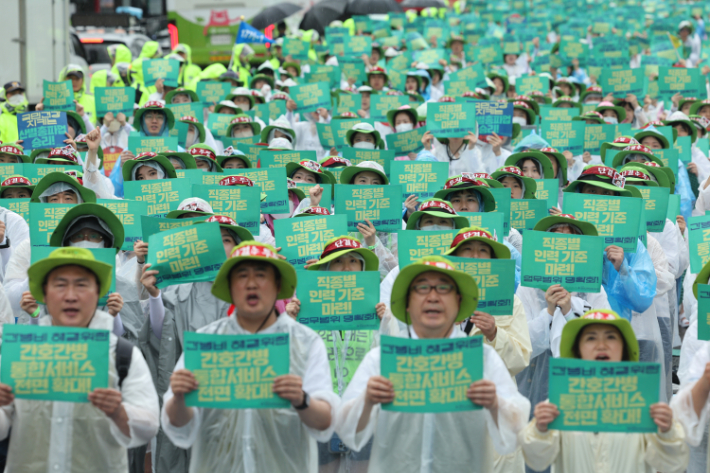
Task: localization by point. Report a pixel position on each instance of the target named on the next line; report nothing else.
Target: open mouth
(602, 357)
(252, 299)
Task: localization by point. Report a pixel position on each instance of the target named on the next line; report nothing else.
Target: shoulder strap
(124, 353)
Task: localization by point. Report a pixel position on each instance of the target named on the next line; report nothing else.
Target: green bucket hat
(596, 117)
(310, 166)
(529, 101)
(525, 108)
(108, 222)
(620, 111)
(293, 187)
(16, 182)
(502, 76)
(157, 106)
(148, 157)
(552, 153)
(232, 153)
(631, 150)
(602, 177)
(656, 174)
(364, 128)
(87, 195)
(701, 278)
(437, 208)
(255, 251)
(279, 124)
(77, 118)
(478, 234)
(186, 159)
(193, 121)
(619, 143)
(205, 152)
(408, 109)
(585, 227)
(516, 172)
(16, 150)
(654, 133)
(515, 158)
(697, 105)
(37, 152)
(68, 256)
(593, 90)
(466, 285)
(349, 173)
(569, 100)
(463, 182)
(66, 155)
(572, 329)
(377, 71)
(675, 119)
(227, 104)
(244, 119)
(268, 79)
(339, 246)
(294, 65)
(181, 90)
(229, 224)
(241, 92)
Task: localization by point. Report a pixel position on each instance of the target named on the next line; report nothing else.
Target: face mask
(520, 121)
(404, 127)
(242, 134)
(435, 228)
(87, 244)
(114, 126)
(611, 120)
(364, 145)
(17, 99)
(190, 139)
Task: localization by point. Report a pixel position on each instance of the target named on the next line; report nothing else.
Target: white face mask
(16, 99)
(242, 134)
(520, 121)
(87, 244)
(611, 120)
(435, 228)
(404, 127)
(364, 145)
(191, 138)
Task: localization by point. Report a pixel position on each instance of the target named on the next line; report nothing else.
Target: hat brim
(572, 329)
(489, 202)
(660, 175)
(291, 168)
(38, 273)
(179, 213)
(139, 114)
(544, 160)
(530, 184)
(95, 210)
(193, 96)
(689, 124)
(221, 289)
(87, 195)
(603, 185)
(561, 161)
(372, 262)
(349, 173)
(499, 249)
(127, 169)
(185, 157)
(242, 233)
(350, 133)
(530, 113)
(619, 158)
(459, 222)
(467, 288)
(200, 129)
(265, 132)
(659, 136)
(545, 223)
(222, 159)
(255, 128)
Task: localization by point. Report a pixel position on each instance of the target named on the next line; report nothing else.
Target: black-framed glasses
(442, 289)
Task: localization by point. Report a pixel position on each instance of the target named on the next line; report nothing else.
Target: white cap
(678, 116)
(371, 165)
(364, 88)
(196, 204)
(363, 126)
(391, 52)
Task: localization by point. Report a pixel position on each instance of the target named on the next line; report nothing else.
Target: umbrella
(274, 14)
(423, 4)
(322, 14)
(366, 7)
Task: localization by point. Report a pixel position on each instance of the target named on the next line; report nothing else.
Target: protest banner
(280, 158)
(689, 82)
(311, 97)
(211, 92)
(420, 179)
(129, 213)
(42, 129)
(492, 222)
(166, 69)
(450, 120)
(58, 96)
(548, 190)
(565, 136)
(558, 114)
(381, 205)
(684, 147)
(161, 195)
(218, 123)
(625, 81)
(413, 245)
(656, 205)
(152, 225)
(296, 48)
(155, 144)
(595, 135)
(494, 117)
(525, 213)
(35, 172)
(268, 111)
(380, 104)
(669, 157)
(44, 218)
(348, 103)
(495, 279)
(304, 238)
(19, 206)
(10, 169)
(527, 84)
(273, 183)
(406, 142)
(240, 203)
(431, 376)
(383, 157)
(115, 100)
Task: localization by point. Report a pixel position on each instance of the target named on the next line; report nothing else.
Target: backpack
(124, 353)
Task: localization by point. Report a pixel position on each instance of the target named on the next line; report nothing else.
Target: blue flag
(249, 34)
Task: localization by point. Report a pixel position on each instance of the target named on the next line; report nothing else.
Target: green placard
(422, 179)
(673, 207)
(601, 396)
(565, 136)
(190, 254)
(456, 88)
(49, 363)
(211, 92)
(620, 82)
(7, 170)
(381, 205)
(503, 202)
(684, 148)
(412, 245)
(329, 74)
(198, 176)
(348, 103)
(557, 114)
(268, 111)
(129, 212)
(383, 157)
(115, 100)
(166, 69)
(703, 144)
(296, 48)
(152, 225)
(525, 213)
(431, 375)
(273, 183)
(44, 218)
(616, 218)
(280, 158)
(495, 279)
(380, 104)
(339, 130)
(218, 123)
(669, 158)
(19, 206)
(573, 50)
(573, 261)
(703, 312)
(311, 97)
(450, 120)
(236, 371)
(656, 206)
(492, 222)
(339, 301)
(250, 150)
(155, 144)
(686, 81)
(325, 135)
(353, 68)
(357, 45)
(406, 142)
(161, 195)
(304, 238)
(58, 96)
(240, 203)
(526, 84)
(35, 172)
(699, 242)
(474, 73)
(235, 142)
(548, 190)
(595, 135)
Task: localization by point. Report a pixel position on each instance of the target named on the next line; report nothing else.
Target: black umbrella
(322, 14)
(423, 4)
(274, 14)
(365, 7)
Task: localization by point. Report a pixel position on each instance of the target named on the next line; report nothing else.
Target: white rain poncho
(17, 230)
(259, 440)
(433, 443)
(307, 133)
(78, 437)
(470, 159)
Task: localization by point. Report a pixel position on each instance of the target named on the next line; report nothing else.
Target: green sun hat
(67, 155)
(292, 64)
(653, 174)
(572, 329)
(697, 105)
(260, 252)
(279, 124)
(502, 76)
(679, 118)
(229, 224)
(701, 278)
(482, 176)
(77, 118)
(463, 182)
(16, 150)
(620, 111)
(205, 152)
(186, 159)
(466, 285)
(227, 104)
(593, 90)
(157, 106)
(516, 172)
(293, 187)
(542, 158)
(552, 153)
(108, 221)
(602, 177)
(569, 100)
(418, 98)
(68, 256)
(408, 109)
(87, 195)
(16, 181)
(527, 100)
(635, 149)
(363, 128)
(232, 153)
(181, 90)
(310, 166)
(436, 208)
(594, 116)
(339, 246)
(619, 143)
(243, 118)
(349, 173)
(37, 152)
(377, 70)
(536, 93)
(148, 157)
(586, 228)
(268, 79)
(525, 108)
(651, 131)
(415, 76)
(193, 121)
(478, 234)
